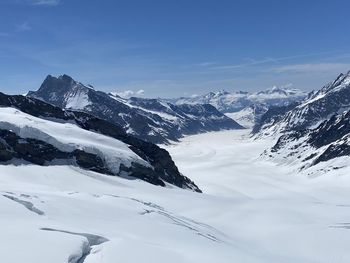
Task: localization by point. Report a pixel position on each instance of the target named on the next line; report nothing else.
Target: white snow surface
(252, 211)
(78, 99)
(245, 117)
(68, 137)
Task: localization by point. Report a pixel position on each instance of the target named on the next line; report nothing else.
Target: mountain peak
(62, 90)
(62, 80)
(332, 99)
(222, 92)
(342, 81)
(66, 78)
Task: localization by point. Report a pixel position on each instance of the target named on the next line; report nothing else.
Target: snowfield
(252, 211)
(245, 117)
(68, 137)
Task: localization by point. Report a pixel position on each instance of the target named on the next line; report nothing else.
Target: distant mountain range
(315, 133)
(153, 120)
(226, 101)
(245, 107)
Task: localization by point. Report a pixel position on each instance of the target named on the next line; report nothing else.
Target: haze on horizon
(173, 48)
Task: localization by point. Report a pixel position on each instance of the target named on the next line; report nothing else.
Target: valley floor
(251, 211)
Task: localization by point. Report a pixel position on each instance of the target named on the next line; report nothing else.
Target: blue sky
(173, 47)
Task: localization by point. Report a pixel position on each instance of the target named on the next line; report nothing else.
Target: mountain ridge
(143, 118)
(246, 107)
(313, 135)
(318, 106)
(234, 101)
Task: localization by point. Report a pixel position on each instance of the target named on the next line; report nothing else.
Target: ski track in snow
(252, 211)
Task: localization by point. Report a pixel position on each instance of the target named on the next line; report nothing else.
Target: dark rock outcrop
(329, 140)
(332, 99)
(38, 152)
(315, 131)
(273, 115)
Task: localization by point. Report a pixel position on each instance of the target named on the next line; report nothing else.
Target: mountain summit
(333, 98)
(314, 135)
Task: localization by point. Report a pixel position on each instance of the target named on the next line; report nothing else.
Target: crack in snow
(26, 204)
(342, 225)
(187, 223)
(92, 240)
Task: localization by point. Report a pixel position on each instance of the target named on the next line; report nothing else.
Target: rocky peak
(333, 98)
(343, 80)
(65, 78)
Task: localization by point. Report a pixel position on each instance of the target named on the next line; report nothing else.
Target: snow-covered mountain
(226, 101)
(272, 116)
(243, 104)
(149, 119)
(38, 133)
(315, 134)
(317, 150)
(249, 116)
(333, 98)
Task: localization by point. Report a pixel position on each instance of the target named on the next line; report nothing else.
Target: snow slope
(333, 98)
(252, 211)
(68, 137)
(136, 222)
(286, 215)
(249, 115)
(244, 117)
(319, 150)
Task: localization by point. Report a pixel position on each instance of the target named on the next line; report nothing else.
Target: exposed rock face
(159, 158)
(313, 132)
(328, 141)
(162, 168)
(39, 152)
(334, 98)
(152, 120)
(272, 116)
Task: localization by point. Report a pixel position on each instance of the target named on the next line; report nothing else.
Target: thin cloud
(45, 2)
(140, 92)
(311, 68)
(24, 27)
(267, 60)
(252, 63)
(129, 93)
(286, 86)
(205, 64)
